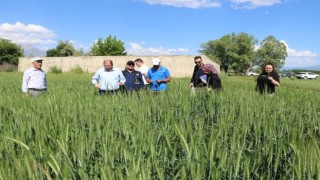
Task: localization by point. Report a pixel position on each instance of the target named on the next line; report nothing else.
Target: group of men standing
(111, 80)
(107, 79)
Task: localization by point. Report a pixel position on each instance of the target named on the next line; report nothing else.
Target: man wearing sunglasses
(134, 79)
(198, 76)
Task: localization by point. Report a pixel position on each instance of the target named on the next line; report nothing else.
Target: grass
(236, 134)
(285, 82)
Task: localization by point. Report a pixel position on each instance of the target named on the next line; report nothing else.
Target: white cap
(156, 61)
(36, 59)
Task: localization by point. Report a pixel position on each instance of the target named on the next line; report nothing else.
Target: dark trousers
(104, 92)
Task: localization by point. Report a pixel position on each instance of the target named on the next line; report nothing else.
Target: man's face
(130, 66)
(198, 61)
(268, 69)
(156, 66)
(37, 64)
(107, 65)
(138, 63)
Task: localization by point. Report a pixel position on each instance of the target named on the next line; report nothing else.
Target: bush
(77, 70)
(6, 67)
(55, 70)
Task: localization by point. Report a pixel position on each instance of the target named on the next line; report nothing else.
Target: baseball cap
(156, 61)
(36, 59)
(130, 63)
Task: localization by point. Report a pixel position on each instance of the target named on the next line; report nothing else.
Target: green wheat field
(70, 133)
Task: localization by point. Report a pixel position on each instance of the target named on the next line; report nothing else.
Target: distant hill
(310, 68)
(316, 67)
(31, 51)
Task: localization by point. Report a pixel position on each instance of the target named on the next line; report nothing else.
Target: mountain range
(310, 68)
(31, 51)
(316, 67)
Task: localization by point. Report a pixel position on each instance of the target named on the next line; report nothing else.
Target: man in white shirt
(143, 69)
(34, 79)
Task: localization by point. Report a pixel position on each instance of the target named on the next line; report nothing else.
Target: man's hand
(97, 86)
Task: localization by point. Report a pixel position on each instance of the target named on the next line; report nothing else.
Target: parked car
(287, 74)
(250, 73)
(306, 75)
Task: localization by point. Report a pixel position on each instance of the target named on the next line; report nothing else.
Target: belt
(108, 90)
(35, 89)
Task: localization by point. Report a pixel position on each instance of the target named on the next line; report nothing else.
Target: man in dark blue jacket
(134, 79)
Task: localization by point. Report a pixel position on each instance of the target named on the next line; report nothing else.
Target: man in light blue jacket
(108, 79)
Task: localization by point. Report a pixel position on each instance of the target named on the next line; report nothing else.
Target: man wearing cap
(108, 79)
(134, 79)
(34, 79)
(158, 76)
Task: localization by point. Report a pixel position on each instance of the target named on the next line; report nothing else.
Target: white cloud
(237, 4)
(251, 4)
(137, 49)
(300, 58)
(187, 3)
(27, 34)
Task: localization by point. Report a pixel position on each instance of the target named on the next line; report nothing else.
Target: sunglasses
(131, 65)
(197, 62)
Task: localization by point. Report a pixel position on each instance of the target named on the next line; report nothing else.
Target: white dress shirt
(34, 78)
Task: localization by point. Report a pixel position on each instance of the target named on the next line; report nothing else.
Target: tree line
(239, 52)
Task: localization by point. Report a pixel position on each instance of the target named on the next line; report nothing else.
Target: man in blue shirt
(134, 79)
(158, 76)
(34, 79)
(108, 79)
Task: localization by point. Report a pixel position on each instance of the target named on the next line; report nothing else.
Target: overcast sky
(164, 27)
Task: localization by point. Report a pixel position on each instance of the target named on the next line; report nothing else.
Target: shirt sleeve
(95, 78)
(149, 74)
(25, 81)
(167, 73)
(276, 77)
(192, 78)
(122, 78)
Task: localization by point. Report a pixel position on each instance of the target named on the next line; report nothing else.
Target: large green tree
(271, 51)
(108, 47)
(10, 52)
(63, 49)
(232, 50)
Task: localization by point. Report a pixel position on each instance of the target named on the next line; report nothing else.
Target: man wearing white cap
(34, 79)
(158, 76)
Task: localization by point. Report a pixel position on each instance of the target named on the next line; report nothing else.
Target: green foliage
(108, 47)
(6, 67)
(9, 52)
(77, 70)
(236, 134)
(234, 50)
(63, 49)
(271, 51)
(55, 70)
